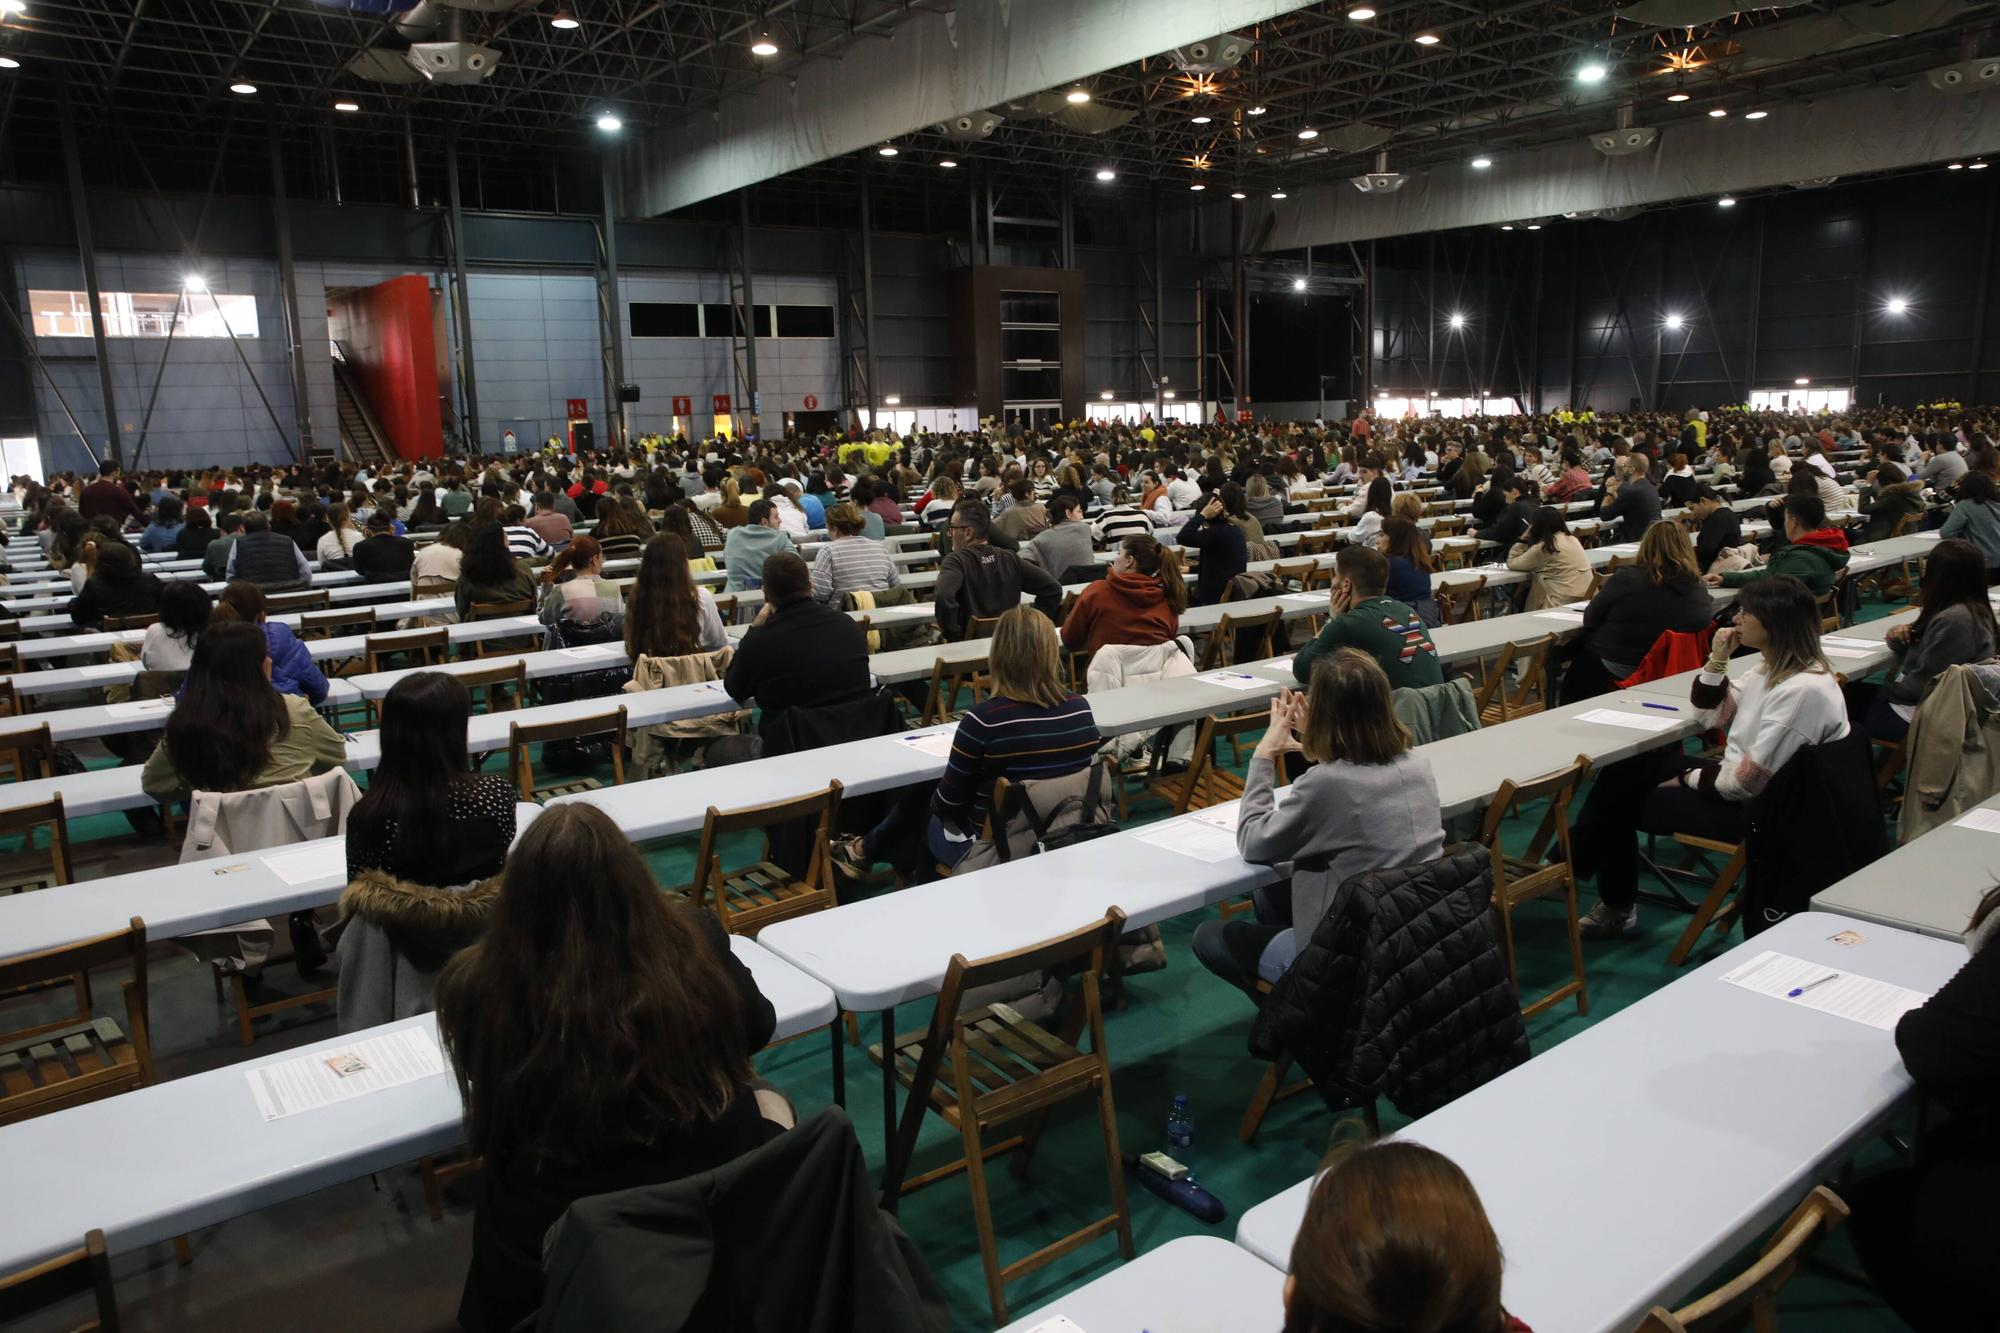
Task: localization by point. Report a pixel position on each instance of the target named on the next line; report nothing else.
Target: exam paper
(593, 650)
(1611, 717)
(1228, 815)
(1304, 598)
(327, 860)
(1278, 664)
(935, 743)
(140, 707)
(1057, 1324)
(109, 669)
(1576, 616)
(1235, 680)
(1859, 999)
(1986, 821)
(373, 1064)
(1838, 641)
(1191, 837)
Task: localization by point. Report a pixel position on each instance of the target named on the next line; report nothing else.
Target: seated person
(1138, 602)
(1976, 517)
(1954, 628)
(1558, 570)
(293, 670)
(1065, 544)
(1364, 617)
(576, 597)
(1813, 553)
(796, 653)
(383, 556)
(1223, 549)
(119, 585)
(666, 613)
(753, 542)
(1896, 497)
(1721, 526)
(1789, 700)
(268, 559)
(651, 1081)
(978, 580)
(850, 561)
(1369, 802)
(1662, 592)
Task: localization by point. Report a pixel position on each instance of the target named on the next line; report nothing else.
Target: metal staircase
(360, 435)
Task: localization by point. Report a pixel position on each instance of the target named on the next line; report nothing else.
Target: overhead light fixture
(1309, 133)
(347, 106)
(1673, 321)
(13, 7)
(1591, 72)
(763, 46)
(1980, 165)
(1199, 120)
(1677, 96)
(609, 123)
(1955, 166)
(194, 282)
(1506, 226)
(1727, 201)
(1755, 115)
(1105, 395)
(1361, 14)
(1298, 284)
(1897, 305)
(1238, 194)
(1106, 174)
(8, 62)
(1802, 380)
(1457, 320)
(890, 400)
(1480, 163)
(1077, 96)
(564, 20)
(946, 163)
(887, 150)
(1534, 226)
(1426, 39)
(243, 89)
(1717, 112)
(1277, 194)
(1166, 393)
(1197, 187)
(1257, 110)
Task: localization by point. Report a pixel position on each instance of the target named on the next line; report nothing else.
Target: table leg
(838, 1030)
(889, 1083)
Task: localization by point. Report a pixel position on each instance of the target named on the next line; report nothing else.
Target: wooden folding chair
(1319, 543)
(1458, 601)
(1829, 604)
(334, 624)
(312, 599)
(1271, 1089)
(1751, 1297)
(48, 1067)
(1206, 782)
(724, 606)
(10, 630)
(1522, 879)
(1295, 576)
(28, 754)
(136, 620)
(25, 820)
(979, 627)
(10, 657)
(1616, 563)
(748, 899)
(86, 1269)
(1258, 631)
(393, 651)
(499, 611)
(1496, 701)
(505, 685)
(1716, 906)
(519, 738)
(948, 678)
(988, 1066)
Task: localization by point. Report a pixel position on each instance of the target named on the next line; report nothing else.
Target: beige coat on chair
(652, 746)
(1952, 754)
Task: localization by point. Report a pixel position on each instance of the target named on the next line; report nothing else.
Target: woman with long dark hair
(1410, 567)
(169, 642)
(1955, 627)
(118, 586)
(1558, 571)
(489, 574)
(293, 670)
(1375, 502)
(427, 817)
(1139, 601)
(231, 731)
(621, 529)
(666, 614)
(601, 1037)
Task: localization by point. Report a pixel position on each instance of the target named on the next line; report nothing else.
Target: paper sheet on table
(1191, 837)
(1625, 548)
(935, 743)
(1840, 641)
(1057, 1324)
(140, 707)
(1860, 999)
(1234, 680)
(1277, 664)
(1226, 816)
(1558, 614)
(326, 861)
(593, 650)
(109, 669)
(1850, 653)
(1611, 717)
(1304, 598)
(1986, 821)
(373, 1064)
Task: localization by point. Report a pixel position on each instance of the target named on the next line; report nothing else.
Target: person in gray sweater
(1976, 517)
(1065, 543)
(1369, 803)
(1956, 627)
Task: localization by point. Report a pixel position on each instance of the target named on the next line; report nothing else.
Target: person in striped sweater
(1031, 728)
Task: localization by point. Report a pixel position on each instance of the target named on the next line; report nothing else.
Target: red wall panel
(392, 344)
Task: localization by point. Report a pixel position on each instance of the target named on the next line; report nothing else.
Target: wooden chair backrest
(497, 681)
(1093, 941)
(431, 646)
(315, 599)
(498, 610)
(1558, 788)
(10, 657)
(327, 624)
(35, 1289)
(724, 607)
(10, 630)
(1319, 543)
(1458, 601)
(948, 677)
(1534, 686)
(125, 947)
(25, 819)
(520, 737)
(1221, 649)
(1297, 575)
(979, 627)
(1752, 1295)
(1202, 760)
(137, 620)
(822, 806)
(28, 754)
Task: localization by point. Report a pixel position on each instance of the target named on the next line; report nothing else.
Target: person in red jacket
(107, 497)
(1139, 602)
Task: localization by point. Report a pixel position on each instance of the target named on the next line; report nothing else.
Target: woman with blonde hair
(731, 512)
(1369, 802)
(1661, 593)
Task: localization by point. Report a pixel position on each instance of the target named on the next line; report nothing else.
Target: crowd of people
(651, 1079)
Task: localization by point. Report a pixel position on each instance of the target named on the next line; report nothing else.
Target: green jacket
(1815, 560)
(1387, 631)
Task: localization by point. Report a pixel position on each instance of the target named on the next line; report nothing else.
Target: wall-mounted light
(1897, 305)
(891, 400)
(1457, 320)
(1298, 284)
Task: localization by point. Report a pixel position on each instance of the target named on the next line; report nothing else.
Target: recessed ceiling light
(1426, 39)
(887, 150)
(1277, 194)
(243, 89)
(1481, 163)
(194, 282)
(1592, 72)
(1258, 110)
(8, 62)
(1979, 165)
(763, 46)
(947, 163)
(1197, 187)
(1106, 174)
(1238, 194)
(1677, 97)
(562, 19)
(1755, 115)
(1717, 112)
(1077, 96)
(1956, 166)
(1309, 133)
(1726, 201)
(1200, 120)
(1361, 14)
(609, 123)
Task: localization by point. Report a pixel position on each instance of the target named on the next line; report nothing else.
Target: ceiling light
(1534, 226)
(1077, 96)
(1257, 110)
(1426, 39)
(243, 89)
(1956, 166)
(1593, 72)
(1105, 395)
(1298, 284)
(1238, 194)
(347, 106)
(1717, 112)
(8, 62)
(1677, 97)
(1755, 115)
(1309, 133)
(1802, 380)
(1197, 187)
(1457, 320)
(1727, 201)
(1277, 194)
(1506, 226)
(1979, 165)
(946, 163)
(1361, 14)
(609, 123)
(1200, 120)
(1897, 305)
(1673, 321)
(1106, 174)
(763, 46)
(891, 399)
(887, 150)
(563, 20)
(1481, 163)
(194, 282)
(1166, 393)
(13, 6)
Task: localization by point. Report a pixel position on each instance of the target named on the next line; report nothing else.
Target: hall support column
(79, 204)
(611, 307)
(756, 404)
(467, 377)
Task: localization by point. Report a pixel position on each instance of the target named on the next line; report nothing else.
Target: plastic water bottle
(1180, 1128)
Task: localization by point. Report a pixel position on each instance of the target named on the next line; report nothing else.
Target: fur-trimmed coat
(394, 936)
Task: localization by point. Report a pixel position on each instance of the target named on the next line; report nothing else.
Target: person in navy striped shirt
(1031, 728)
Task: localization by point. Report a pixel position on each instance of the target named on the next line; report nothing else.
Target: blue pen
(1797, 991)
(1664, 708)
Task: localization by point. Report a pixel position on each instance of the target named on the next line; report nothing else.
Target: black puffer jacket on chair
(1403, 990)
